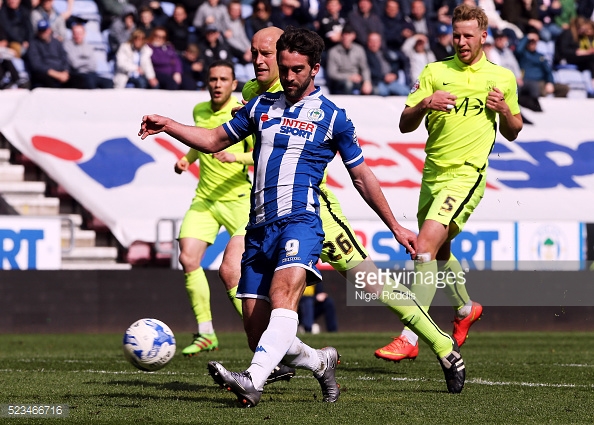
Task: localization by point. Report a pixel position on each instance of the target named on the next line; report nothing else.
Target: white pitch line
(474, 381)
(526, 384)
(480, 381)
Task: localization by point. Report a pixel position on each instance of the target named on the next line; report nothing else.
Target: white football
(149, 344)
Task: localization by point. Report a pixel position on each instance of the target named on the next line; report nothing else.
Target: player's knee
(188, 262)
(229, 275)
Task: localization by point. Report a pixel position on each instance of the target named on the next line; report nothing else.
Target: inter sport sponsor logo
(297, 128)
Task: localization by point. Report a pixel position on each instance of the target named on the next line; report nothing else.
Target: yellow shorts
(341, 249)
(205, 217)
(241, 229)
(450, 194)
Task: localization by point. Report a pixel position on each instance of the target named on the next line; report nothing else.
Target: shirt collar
(475, 67)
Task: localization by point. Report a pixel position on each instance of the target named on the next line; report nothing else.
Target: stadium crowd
(372, 46)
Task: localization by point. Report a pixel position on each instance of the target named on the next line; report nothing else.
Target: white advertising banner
(29, 243)
(87, 142)
(489, 245)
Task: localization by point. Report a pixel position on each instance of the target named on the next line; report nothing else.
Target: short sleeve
(241, 125)
(511, 95)
(346, 142)
(421, 89)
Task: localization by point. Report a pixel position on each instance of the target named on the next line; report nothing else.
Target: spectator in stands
(15, 19)
(431, 7)
(46, 11)
(346, 68)
(548, 10)
(495, 22)
(121, 30)
(568, 12)
(214, 47)
(146, 20)
(134, 67)
(291, 13)
(331, 23)
(364, 20)
(260, 18)
(160, 18)
(111, 10)
(9, 74)
(166, 62)
(315, 302)
(83, 65)
(442, 48)
(234, 32)
(416, 49)
(397, 26)
(538, 74)
(422, 22)
(524, 14)
(179, 30)
(47, 59)
(192, 68)
(585, 9)
(211, 12)
(191, 7)
(575, 45)
(384, 71)
(501, 54)
(444, 10)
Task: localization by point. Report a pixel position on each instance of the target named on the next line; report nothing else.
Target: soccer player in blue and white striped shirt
(298, 131)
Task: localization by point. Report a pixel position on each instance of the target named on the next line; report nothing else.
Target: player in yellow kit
(341, 248)
(222, 199)
(463, 100)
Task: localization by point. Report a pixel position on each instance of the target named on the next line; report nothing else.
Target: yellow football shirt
(465, 134)
(251, 89)
(220, 181)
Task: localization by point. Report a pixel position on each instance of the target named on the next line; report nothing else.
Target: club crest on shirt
(491, 85)
(415, 87)
(315, 114)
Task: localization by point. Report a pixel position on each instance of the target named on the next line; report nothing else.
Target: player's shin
(273, 345)
(455, 289)
(199, 294)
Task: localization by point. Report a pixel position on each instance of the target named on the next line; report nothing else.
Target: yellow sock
(414, 317)
(235, 301)
(456, 292)
(199, 294)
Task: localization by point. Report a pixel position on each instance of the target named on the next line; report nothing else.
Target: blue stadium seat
(575, 79)
(105, 68)
(85, 9)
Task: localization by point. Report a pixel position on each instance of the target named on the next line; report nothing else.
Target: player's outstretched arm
(367, 185)
(201, 139)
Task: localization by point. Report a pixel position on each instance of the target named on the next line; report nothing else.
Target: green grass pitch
(512, 378)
